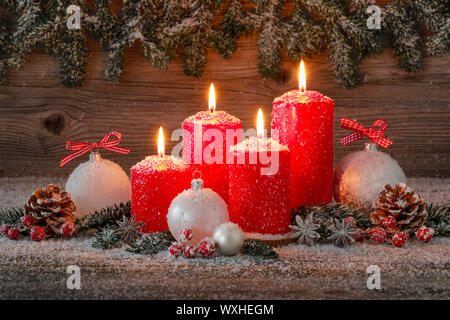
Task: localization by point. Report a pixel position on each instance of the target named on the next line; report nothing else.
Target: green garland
(105, 217)
(107, 237)
(258, 249)
(167, 30)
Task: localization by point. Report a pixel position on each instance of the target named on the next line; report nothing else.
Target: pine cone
(404, 205)
(50, 209)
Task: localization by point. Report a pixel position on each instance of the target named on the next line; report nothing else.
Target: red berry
(27, 221)
(176, 249)
(189, 252)
(67, 229)
(37, 234)
(350, 220)
(389, 222)
(13, 233)
(186, 235)
(4, 229)
(399, 239)
(378, 234)
(206, 247)
(425, 234)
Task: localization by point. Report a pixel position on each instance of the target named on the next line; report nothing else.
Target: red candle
(207, 136)
(155, 182)
(304, 120)
(259, 187)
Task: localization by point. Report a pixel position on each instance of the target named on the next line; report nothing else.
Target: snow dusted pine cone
(400, 202)
(50, 209)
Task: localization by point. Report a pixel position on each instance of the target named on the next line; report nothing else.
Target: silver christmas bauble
(360, 176)
(199, 209)
(96, 184)
(229, 238)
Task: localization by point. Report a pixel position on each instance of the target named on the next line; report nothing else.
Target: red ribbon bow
(376, 135)
(83, 147)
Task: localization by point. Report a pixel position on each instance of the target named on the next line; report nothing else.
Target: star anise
(129, 229)
(305, 230)
(342, 233)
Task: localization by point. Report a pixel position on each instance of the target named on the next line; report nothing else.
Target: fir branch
(234, 24)
(402, 32)
(434, 14)
(259, 249)
(107, 238)
(11, 216)
(340, 32)
(152, 243)
(302, 36)
(104, 217)
(4, 51)
(167, 29)
(270, 37)
(439, 219)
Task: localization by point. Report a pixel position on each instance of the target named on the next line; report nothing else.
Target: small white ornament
(229, 238)
(360, 176)
(199, 209)
(96, 184)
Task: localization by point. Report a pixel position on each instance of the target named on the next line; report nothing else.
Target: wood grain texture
(37, 114)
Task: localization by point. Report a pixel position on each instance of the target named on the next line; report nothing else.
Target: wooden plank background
(37, 114)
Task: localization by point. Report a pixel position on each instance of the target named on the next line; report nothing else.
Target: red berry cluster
(205, 248)
(399, 239)
(37, 233)
(10, 231)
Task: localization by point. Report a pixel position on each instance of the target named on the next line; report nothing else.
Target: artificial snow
(38, 270)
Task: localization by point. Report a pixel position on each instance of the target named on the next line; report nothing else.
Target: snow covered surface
(30, 270)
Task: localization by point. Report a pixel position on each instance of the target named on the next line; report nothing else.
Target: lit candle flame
(260, 125)
(302, 77)
(212, 99)
(161, 142)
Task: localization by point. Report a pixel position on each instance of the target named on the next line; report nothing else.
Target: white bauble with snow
(200, 209)
(96, 184)
(360, 176)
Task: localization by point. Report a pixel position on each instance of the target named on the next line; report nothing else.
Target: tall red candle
(207, 136)
(260, 203)
(304, 119)
(155, 182)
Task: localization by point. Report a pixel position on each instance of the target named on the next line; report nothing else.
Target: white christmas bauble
(360, 176)
(199, 209)
(229, 238)
(96, 184)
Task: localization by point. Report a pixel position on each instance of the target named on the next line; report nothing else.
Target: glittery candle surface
(305, 124)
(155, 182)
(260, 203)
(196, 145)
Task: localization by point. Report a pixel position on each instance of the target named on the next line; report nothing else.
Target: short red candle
(155, 182)
(216, 125)
(260, 203)
(305, 124)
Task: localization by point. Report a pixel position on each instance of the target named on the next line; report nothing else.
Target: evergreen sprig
(11, 216)
(259, 249)
(107, 238)
(165, 30)
(152, 243)
(105, 217)
(439, 219)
